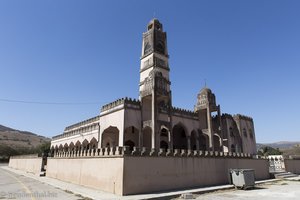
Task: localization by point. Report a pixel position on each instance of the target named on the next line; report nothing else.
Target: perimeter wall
(150, 174)
(124, 173)
(105, 174)
(292, 166)
(31, 164)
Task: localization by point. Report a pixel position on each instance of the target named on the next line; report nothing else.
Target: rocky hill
(20, 139)
(287, 149)
(16, 142)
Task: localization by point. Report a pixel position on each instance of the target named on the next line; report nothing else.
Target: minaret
(155, 93)
(206, 105)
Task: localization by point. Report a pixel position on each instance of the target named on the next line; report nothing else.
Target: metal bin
(242, 178)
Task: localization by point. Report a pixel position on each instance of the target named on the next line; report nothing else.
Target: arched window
(164, 132)
(244, 132)
(250, 133)
(231, 132)
(232, 148)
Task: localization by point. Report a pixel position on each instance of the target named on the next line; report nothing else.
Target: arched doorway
(131, 137)
(164, 145)
(110, 137)
(60, 148)
(232, 148)
(147, 137)
(164, 138)
(130, 144)
(194, 140)
(85, 144)
(179, 137)
(203, 142)
(78, 146)
(71, 146)
(66, 147)
(93, 143)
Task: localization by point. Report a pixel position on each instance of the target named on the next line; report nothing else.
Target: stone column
(170, 139)
(141, 135)
(209, 128)
(220, 128)
(197, 144)
(99, 137)
(189, 142)
(153, 115)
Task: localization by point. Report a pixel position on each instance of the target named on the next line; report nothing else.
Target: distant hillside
(13, 142)
(279, 145)
(287, 149)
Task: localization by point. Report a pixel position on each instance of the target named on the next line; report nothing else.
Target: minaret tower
(155, 93)
(206, 105)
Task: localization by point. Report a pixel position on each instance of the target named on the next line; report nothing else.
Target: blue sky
(88, 52)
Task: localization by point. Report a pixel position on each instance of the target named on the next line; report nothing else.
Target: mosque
(152, 123)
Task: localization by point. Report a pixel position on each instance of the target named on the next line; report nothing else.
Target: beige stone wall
(149, 174)
(144, 174)
(114, 119)
(100, 173)
(32, 165)
(292, 166)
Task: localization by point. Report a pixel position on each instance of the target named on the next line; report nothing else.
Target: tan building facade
(151, 123)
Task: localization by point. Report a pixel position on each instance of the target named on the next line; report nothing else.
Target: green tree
(266, 151)
(43, 149)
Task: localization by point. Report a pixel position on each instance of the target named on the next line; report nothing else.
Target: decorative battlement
(126, 101)
(125, 151)
(244, 117)
(79, 130)
(130, 101)
(112, 104)
(58, 136)
(88, 121)
(226, 115)
(180, 111)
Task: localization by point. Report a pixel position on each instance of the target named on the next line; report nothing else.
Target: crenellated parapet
(122, 101)
(226, 115)
(144, 152)
(113, 104)
(243, 117)
(58, 136)
(131, 101)
(82, 123)
(78, 131)
(184, 112)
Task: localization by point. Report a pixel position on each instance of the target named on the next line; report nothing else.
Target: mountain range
(279, 145)
(20, 139)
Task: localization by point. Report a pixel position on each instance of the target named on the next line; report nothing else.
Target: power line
(49, 103)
